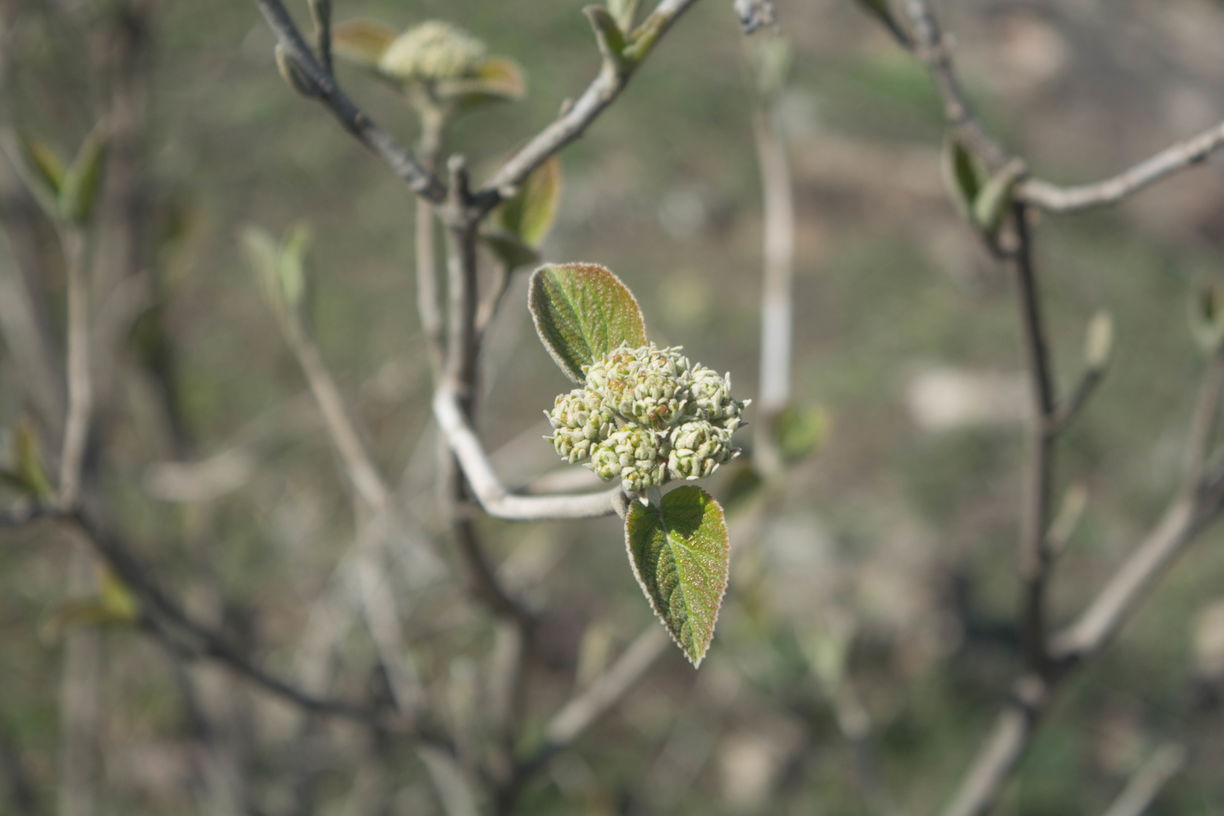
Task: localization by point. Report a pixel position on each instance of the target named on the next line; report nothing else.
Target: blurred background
(867, 639)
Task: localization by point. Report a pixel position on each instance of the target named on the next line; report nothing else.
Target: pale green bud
(432, 50)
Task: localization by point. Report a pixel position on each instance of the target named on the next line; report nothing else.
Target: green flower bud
(646, 415)
(432, 50)
(697, 449)
(633, 456)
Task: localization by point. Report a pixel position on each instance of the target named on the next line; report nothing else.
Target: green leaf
(113, 605)
(800, 430)
(531, 212)
(495, 79)
(582, 312)
(116, 598)
(28, 462)
(292, 266)
(279, 265)
(961, 175)
(995, 197)
(44, 164)
(681, 557)
(608, 36)
(1207, 317)
(509, 248)
(362, 42)
(82, 182)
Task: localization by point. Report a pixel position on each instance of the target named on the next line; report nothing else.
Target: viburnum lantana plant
(644, 415)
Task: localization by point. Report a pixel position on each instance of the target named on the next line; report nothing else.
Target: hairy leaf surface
(582, 312)
(681, 557)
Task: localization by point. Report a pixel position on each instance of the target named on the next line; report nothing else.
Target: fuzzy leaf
(961, 175)
(83, 180)
(362, 42)
(532, 210)
(582, 312)
(681, 557)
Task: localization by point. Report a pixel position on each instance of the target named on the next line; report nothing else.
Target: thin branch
(162, 611)
(433, 133)
(1071, 408)
(1139, 794)
(613, 685)
(996, 760)
(777, 296)
(492, 301)
(1172, 159)
(1035, 520)
(577, 117)
(29, 345)
(340, 421)
(493, 496)
(1195, 506)
(80, 381)
(929, 45)
(351, 118)
(17, 778)
(462, 295)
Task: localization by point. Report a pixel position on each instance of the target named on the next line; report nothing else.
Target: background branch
(401, 161)
(602, 91)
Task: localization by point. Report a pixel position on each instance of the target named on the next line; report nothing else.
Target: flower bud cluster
(433, 50)
(646, 416)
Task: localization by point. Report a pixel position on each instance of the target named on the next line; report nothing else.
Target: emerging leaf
(28, 468)
(509, 248)
(582, 312)
(625, 12)
(495, 79)
(1207, 317)
(279, 265)
(996, 196)
(1099, 343)
(608, 35)
(531, 212)
(83, 180)
(362, 42)
(962, 176)
(44, 165)
(800, 429)
(681, 557)
(294, 75)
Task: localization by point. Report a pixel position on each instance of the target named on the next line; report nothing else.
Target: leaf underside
(582, 312)
(681, 557)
